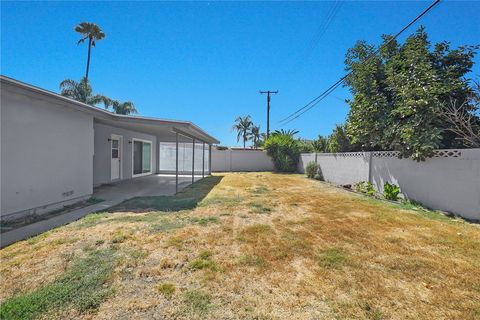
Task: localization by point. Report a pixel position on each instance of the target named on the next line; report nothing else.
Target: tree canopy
(399, 92)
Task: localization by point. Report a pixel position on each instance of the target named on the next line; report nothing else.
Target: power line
(325, 24)
(324, 94)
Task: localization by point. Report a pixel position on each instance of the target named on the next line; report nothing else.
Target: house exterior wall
(46, 155)
(102, 160)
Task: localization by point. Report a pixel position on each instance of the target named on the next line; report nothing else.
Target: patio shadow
(186, 199)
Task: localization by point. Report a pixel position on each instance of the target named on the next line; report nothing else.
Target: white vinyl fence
(241, 160)
(450, 181)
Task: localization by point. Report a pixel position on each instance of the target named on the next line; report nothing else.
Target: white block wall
(241, 160)
(450, 181)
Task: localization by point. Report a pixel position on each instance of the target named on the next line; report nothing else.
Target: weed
(204, 261)
(166, 289)
(197, 301)
(119, 237)
(332, 258)
(83, 287)
(260, 208)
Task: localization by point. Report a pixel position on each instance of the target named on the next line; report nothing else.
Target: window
(142, 157)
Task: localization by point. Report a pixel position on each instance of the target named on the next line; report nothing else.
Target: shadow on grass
(186, 199)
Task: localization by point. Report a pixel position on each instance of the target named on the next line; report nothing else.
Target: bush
(311, 169)
(391, 191)
(284, 151)
(365, 187)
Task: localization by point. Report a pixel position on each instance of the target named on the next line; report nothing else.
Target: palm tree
(123, 107)
(242, 126)
(289, 132)
(82, 91)
(255, 135)
(93, 33)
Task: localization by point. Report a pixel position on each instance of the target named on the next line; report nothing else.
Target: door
(142, 157)
(115, 157)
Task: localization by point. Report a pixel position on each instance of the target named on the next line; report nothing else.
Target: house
(54, 150)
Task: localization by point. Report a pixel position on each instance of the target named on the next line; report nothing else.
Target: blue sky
(206, 61)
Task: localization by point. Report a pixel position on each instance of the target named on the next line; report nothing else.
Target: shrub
(365, 187)
(284, 151)
(391, 191)
(311, 169)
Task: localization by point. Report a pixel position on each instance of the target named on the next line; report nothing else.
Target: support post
(176, 162)
(203, 160)
(209, 159)
(193, 161)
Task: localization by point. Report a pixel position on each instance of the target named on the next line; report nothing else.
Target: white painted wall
(46, 154)
(449, 182)
(241, 160)
(102, 160)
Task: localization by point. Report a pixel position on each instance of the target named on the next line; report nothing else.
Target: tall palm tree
(82, 91)
(93, 33)
(123, 107)
(242, 126)
(255, 135)
(289, 132)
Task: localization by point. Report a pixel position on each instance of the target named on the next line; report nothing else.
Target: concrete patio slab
(112, 194)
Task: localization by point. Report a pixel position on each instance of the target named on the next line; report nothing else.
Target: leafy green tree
(399, 92)
(372, 102)
(284, 151)
(339, 140)
(82, 91)
(92, 33)
(243, 126)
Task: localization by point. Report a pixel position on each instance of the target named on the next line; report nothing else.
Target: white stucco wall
(46, 154)
(450, 181)
(241, 160)
(102, 160)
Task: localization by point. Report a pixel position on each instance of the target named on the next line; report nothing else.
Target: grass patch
(260, 208)
(332, 258)
(166, 289)
(92, 219)
(83, 287)
(204, 261)
(225, 201)
(251, 260)
(205, 221)
(166, 226)
(197, 301)
(187, 199)
(254, 232)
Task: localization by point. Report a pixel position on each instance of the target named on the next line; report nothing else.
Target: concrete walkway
(112, 194)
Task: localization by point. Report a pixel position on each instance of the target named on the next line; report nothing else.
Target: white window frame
(151, 158)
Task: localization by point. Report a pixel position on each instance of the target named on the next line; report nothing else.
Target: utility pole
(268, 108)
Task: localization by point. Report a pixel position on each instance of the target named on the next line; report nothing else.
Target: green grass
(332, 258)
(197, 301)
(205, 220)
(204, 261)
(260, 208)
(83, 287)
(166, 289)
(185, 200)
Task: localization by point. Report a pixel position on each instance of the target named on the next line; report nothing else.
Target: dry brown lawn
(262, 246)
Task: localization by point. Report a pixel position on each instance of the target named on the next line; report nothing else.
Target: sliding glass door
(142, 157)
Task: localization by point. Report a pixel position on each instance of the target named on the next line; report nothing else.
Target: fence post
(370, 156)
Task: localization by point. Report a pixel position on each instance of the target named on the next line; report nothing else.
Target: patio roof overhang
(166, 129)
